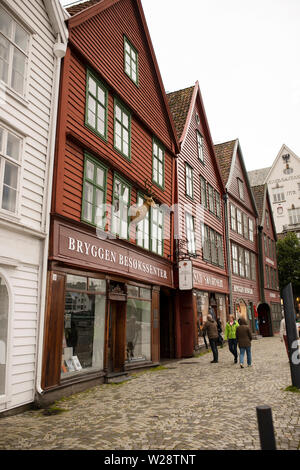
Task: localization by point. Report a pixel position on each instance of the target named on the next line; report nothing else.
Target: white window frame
(200, 146)
(235, 259)
(189, 187)
(18, 163)
(251, 230)
(27, 53)
(233, 224)
(190, 233)
(294, 215)
(239, 222)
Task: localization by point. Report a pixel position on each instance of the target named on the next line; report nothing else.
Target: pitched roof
(224, 154)
(259, 196)
(258, 177)
(179, 102)
(79, 7)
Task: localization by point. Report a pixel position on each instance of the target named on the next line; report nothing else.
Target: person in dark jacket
(211, 328)
(244, 338)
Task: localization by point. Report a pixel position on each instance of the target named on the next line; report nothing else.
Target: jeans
(232, 343)
(214, 348)
(242, 354)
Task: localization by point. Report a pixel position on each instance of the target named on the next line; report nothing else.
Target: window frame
(251, 229)
(203, 189)
(245, 226)
(125, 111)
(152, 209)
(218, 205)
(189, 180)
(161, 147)
(200, 146)
(233, 218)
(97, 164)
(128, 185)
(91, 74)
(190, 230)
(235, 259)
(132, 49)
(239, 223)
(241, 189)
(211, 194)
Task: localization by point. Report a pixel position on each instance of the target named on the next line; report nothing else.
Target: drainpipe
(59, 50)
(225, 199)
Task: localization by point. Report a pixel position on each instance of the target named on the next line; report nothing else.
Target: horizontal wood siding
(101, 41)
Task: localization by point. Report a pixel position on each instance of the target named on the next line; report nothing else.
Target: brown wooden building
(241, 227)
(110, 278)
(269, 310)
(200, 234)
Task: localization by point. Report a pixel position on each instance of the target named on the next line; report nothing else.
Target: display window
(138, 324)
(202, 312)
(84, 325)
(3, 333)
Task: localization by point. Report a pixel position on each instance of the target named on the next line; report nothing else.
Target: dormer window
(241, 188)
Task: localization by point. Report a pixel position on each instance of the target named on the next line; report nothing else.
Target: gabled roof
(82, 12)
(224, 153)
(261, 196)
(227, 153)
(284, 148)
(258, 177)
(179, 102)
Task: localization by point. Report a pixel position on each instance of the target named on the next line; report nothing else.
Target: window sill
(16, 96)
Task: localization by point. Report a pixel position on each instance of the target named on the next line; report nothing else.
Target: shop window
(202, 312)
(84, 325)
(131, 61)
(3, 334)
(121, 201)
(158, 163)
(122, 130)
(94, 192)
(14, 42)
(96, 106)
(10, 169)
(138, 324)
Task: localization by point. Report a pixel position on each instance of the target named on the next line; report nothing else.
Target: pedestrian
(210, 326)
(220, 337)
(230, 335)
(244, 338)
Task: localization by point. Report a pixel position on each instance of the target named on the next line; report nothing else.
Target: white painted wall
(24, 235)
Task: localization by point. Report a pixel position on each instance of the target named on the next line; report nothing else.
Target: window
(203, 191)
(270, 248)
(190, 233)
(245, 226)
(218, 204)
(232, 217)
(247, 265)
(266, 245)
(251, 232)
(294, 215)
(213, 247)
(157, 231)
(138, 324)
(122, 130)
(205, 242)
(121, 201)
(239, 222)
(241, 262)
(143, 228)
(158, 164)
(4, 306)
(211, 199)
(10, 167)
(278, 195)
(131, 61)
(94, 192)
(241, 188)
(235, 265)
(200, 146)
(96, 106)
(14, 46)
(84, 325)
(267, 220)
(219, 243)
(189, 180)
(267, 276)
(253, 266)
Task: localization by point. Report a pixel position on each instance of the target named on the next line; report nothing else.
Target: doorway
(116, 337)
(167, 344)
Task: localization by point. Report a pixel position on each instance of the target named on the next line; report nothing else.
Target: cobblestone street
(187, 404)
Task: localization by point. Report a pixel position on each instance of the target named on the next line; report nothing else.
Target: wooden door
(116, 336)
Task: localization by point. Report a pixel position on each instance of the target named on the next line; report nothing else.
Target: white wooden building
(33, 38)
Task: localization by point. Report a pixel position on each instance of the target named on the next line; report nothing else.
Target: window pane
(89, 170)
(11, 175)
(97, 285)
(88, 211)
(92, 104)
(138, 330)
(91, 119)
(5, 23)
(92, 86)
(76, 282)
(18, 71)
(100, 177)
(4, 51)
(9, 198)
(21, 38)
(13, 146)
(101, 96)
(1, 139)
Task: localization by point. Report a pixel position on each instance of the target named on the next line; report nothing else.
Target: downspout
(225, 199)
(59, 51)
(261, 264)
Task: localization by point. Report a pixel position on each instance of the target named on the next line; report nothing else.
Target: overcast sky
(246, 56)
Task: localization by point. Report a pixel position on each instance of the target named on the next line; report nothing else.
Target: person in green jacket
(230, 335)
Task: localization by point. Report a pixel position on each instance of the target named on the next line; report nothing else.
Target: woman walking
(244, 338)
(230, 335)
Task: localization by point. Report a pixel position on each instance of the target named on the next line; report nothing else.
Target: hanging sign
(185, 269)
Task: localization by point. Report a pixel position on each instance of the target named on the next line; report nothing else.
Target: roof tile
(179, 102)
(224, 154)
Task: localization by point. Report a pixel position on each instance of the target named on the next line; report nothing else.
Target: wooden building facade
(199, 227)
(241, 233)
(269, 310)
(110, 273)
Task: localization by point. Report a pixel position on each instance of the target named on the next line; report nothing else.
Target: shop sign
(270, 261)
(243, 290)
(185, 269)
(205, 280)
(89, 251)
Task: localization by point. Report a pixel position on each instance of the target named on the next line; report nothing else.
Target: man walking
(211, 328)
(230, 335)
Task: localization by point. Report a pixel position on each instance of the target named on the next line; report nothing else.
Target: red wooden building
(241, 228)
(110, 278)
(269, 310)
(199, 222)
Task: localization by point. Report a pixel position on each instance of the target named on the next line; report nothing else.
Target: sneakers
(242, 367)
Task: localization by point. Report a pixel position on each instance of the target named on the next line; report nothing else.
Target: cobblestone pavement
(188, 404)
